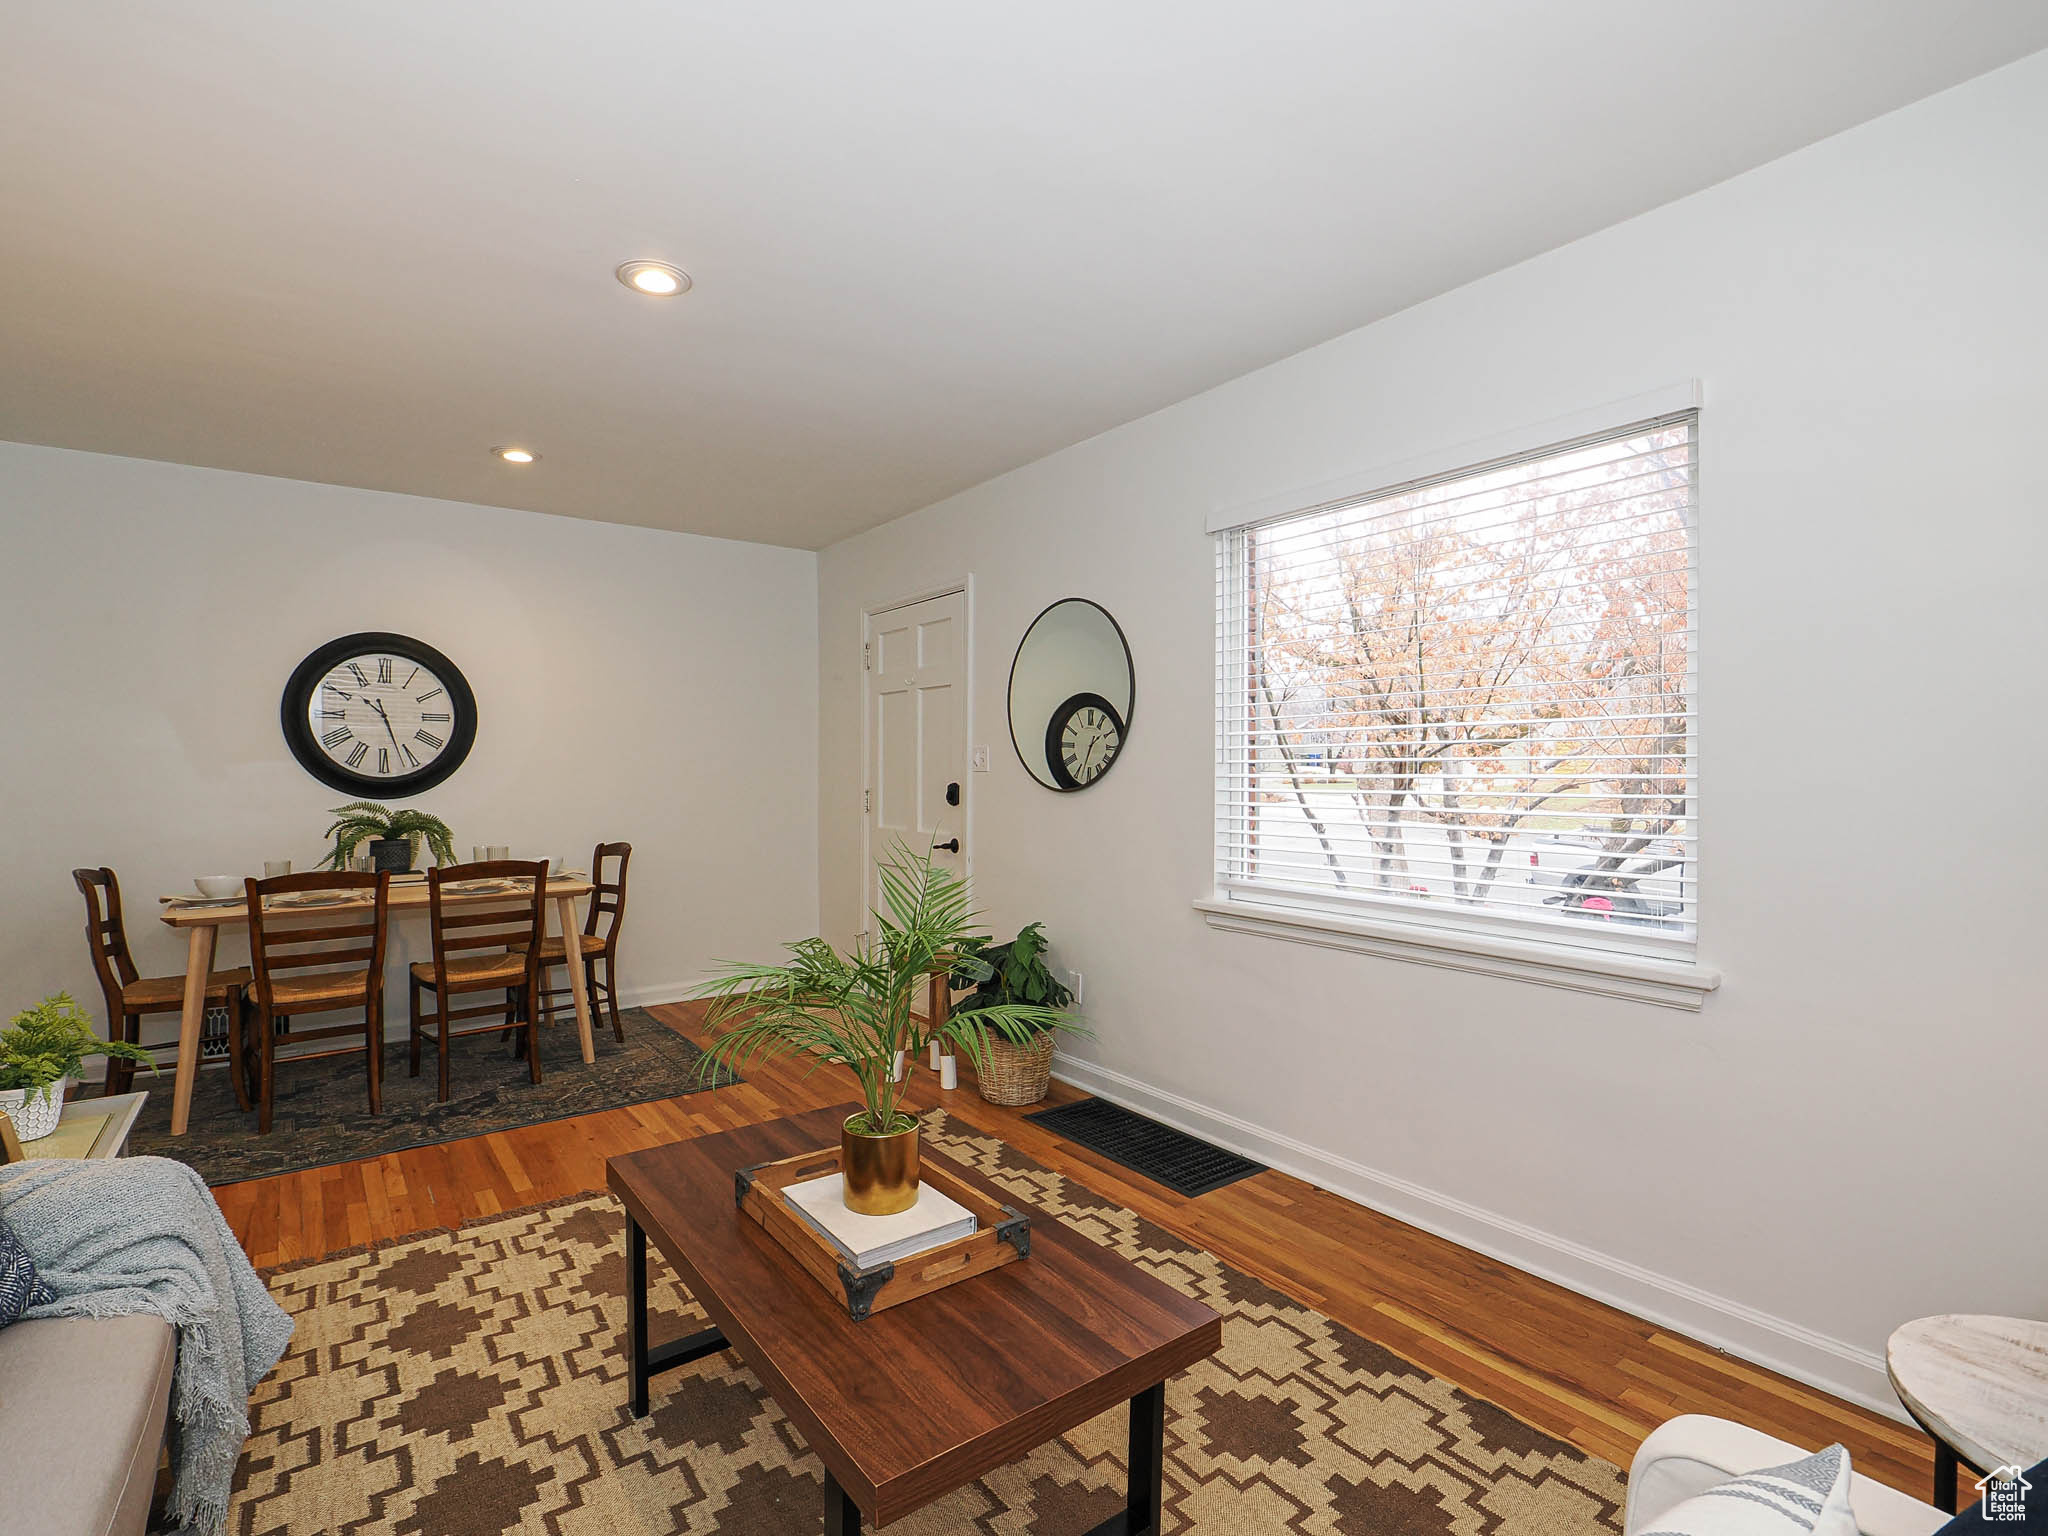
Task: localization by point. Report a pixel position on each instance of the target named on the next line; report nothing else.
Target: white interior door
(916, 670)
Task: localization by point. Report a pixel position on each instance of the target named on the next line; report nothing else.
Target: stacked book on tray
(865, 1241)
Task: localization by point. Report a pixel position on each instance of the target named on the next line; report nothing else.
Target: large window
(1468, 700)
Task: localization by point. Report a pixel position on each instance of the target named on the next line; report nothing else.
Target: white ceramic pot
(34, 1112)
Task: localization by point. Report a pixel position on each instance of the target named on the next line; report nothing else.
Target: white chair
(1690, 1454)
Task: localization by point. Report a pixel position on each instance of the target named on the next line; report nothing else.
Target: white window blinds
(1469, 699)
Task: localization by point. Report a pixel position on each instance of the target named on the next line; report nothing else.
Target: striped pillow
(1809, 1497)
(20, 1289)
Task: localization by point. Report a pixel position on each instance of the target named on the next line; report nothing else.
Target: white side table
(116, 1114)
(1979, 1387)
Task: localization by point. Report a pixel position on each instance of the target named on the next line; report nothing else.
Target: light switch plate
(979, 760)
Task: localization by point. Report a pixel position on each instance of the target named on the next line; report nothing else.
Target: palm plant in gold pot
(856, 1010)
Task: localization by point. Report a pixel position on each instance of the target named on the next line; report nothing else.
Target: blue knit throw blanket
(143, 1234)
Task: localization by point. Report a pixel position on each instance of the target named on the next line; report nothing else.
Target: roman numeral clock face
(379, 712)
(383, 715)
(1082, 740)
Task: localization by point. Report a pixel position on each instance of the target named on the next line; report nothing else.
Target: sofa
(83, 1403)
(1689, 1455)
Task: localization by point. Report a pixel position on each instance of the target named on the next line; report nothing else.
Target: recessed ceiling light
(656, 279)
(516, 455)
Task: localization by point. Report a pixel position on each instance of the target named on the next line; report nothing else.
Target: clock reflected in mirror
(1072, 690)
(1082, 740)
(378, 711)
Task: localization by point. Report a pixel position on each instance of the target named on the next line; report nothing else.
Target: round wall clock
(1082, 739)
(378, 712)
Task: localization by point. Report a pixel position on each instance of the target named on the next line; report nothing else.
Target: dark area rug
(323, 1114)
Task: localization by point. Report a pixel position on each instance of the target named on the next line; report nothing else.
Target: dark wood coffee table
(916, 1401)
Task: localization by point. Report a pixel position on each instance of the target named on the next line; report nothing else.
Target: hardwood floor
(1596, 1377)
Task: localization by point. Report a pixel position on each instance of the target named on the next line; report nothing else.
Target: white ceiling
(364, 242)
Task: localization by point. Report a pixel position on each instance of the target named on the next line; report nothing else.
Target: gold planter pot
(881, 1171)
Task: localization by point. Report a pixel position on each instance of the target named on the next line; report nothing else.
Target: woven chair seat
(320, 989)
(468, 973)
(155, 994)
(552, 952)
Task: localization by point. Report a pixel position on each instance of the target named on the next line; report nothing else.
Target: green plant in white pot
(41, 1050)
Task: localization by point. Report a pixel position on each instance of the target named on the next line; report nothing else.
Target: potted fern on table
(41, 1050)
(394, 836)
(855, 1010)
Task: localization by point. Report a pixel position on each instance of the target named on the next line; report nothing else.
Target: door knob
(951, 847)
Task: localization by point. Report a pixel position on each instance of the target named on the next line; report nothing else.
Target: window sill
(1670, 984)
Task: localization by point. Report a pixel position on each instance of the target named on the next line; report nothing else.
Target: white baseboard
(1832, 1365)
(663, 992)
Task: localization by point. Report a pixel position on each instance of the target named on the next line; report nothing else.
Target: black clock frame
(1055, 728)
(305, 681)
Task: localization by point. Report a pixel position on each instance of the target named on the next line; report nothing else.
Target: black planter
(391, 853)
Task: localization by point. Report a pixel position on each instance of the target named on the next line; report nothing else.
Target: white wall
(1850, 1134)
(631, 684)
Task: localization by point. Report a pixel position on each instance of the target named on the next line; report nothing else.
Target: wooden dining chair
(599, 940)
(479, 947)
(131, 996)
(318, 959)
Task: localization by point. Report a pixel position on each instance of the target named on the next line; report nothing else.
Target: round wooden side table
(1978, 1386)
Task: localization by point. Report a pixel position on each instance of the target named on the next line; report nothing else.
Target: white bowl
(217, 885)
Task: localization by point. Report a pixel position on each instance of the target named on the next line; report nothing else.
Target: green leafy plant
(1015, 972)
(49, 1042)
(855, 1009)
(363, 821)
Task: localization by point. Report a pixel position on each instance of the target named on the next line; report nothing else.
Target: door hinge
(867, 800)
(867, 658)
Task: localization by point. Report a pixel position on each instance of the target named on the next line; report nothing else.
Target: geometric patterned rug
(470, 1383)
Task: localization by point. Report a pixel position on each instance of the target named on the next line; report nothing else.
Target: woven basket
(1016, 1074)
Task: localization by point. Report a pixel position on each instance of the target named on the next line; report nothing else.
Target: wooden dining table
(202, 924)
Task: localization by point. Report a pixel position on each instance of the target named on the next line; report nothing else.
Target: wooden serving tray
(1002, 1237)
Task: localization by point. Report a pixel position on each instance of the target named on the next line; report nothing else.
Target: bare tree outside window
(1476, 693)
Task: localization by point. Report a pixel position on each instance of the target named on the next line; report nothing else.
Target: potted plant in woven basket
(855, 1010)
(1015, 1069)
(41, 1050)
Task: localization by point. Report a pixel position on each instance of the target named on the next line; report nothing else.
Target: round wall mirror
(1071, 691)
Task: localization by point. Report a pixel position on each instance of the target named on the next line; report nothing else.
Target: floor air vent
(1185, 1164)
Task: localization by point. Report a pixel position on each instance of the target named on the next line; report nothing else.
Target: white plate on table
(205, 901)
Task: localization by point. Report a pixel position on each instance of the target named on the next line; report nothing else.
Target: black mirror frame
(1010, 687)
